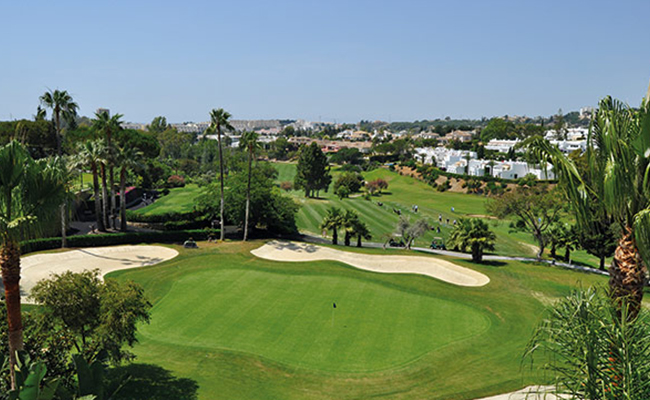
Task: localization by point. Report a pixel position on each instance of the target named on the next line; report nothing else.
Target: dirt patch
(534, 249)
(408, 171)
(481, 216)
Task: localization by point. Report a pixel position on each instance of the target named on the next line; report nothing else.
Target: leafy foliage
(411, 231)
(592, 351)
(351, 181)
(269, 208)
(333, 220)
(312, 173)
(473, 235)
(536, 209)
(101, 315)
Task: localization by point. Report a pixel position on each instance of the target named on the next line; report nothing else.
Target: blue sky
(329, 60)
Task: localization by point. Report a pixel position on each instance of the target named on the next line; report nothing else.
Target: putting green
(290, 318)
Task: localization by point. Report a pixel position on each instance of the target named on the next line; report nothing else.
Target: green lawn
(178, 200)
(247, 328)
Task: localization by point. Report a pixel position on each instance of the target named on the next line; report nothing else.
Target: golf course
(403, 192)
(245, 327)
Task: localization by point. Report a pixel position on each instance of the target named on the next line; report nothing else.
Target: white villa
(456, 162)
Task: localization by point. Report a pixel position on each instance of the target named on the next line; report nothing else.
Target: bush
(352, 181)
(161, 218)
(112, 239)
(350, 168)
(444, 186)
(175, 181)
(286, 185)
(342, 192)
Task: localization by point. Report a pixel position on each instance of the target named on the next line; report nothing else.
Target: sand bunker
(435, 268)
(106, 259)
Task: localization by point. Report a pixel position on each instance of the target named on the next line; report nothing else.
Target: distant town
(454, 146)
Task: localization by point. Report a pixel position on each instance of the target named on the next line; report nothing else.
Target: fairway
(291, 318)
(178, 200)
(404, 192)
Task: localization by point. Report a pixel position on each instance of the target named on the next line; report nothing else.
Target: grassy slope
(178, 200)
(403, 192)
(231, 344)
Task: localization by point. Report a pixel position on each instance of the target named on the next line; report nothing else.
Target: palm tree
(333, 221)
(219, 119)
(93, 154)
(103, 122)
(62, 105)
(129, 158)
(249, 142)
(618, 177)
(472, 234)
(30, 191)
(360, 230)
(350, 220)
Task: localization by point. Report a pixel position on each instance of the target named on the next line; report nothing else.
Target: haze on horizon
(331, 61)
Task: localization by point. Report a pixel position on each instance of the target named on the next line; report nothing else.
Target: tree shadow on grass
(149, 382)
(493, 263)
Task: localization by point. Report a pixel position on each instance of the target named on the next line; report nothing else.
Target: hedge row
(161, 218)
(111, 239)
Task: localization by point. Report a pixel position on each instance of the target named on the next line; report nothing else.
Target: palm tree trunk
(123, 200)
(359, 241)
(627, 275)
(477, 254)
(335, 236)
(10, 263)
(248, 194)
(64, 238)
(104, 196)
(222, 235)
(98, 207)
(111, 180)
(59, 152)
(58, 133)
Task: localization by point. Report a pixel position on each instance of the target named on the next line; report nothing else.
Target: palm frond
(642, 235)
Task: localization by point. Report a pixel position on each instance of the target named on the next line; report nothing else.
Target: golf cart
(438, 243)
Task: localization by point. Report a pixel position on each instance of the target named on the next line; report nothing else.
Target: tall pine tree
(313, 171)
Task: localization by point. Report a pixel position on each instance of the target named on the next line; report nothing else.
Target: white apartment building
(455, 162)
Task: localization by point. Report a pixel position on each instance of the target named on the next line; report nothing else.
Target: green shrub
(161, 218)
(112, 239)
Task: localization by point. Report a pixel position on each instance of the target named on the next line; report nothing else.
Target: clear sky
(326, 60)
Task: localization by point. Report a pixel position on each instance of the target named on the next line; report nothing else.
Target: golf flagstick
(333, 307)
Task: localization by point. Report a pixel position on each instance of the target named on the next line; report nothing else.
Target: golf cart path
(439, 269)
(107, 259)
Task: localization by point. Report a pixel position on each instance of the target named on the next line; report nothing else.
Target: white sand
(429, 266)
(106, 259)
